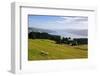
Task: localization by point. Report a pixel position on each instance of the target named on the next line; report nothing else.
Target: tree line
(57, 38)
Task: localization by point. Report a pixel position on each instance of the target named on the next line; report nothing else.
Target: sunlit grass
(55, 51)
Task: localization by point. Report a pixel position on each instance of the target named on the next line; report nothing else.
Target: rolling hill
(54, 51)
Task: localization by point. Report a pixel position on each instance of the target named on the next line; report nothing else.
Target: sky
(58, 22)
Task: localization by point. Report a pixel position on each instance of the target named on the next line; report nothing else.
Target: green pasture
(55, 51)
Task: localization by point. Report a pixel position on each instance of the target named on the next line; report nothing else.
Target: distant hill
(30, 29)
(74, 33)
(83, 32)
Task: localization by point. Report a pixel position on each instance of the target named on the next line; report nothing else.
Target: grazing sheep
(44, 53)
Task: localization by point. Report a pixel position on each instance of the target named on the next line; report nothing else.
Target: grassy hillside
(55, 51)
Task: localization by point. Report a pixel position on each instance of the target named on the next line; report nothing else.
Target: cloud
(73, 19)
(74, 22)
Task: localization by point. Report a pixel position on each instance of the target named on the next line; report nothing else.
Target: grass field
(55, 51)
